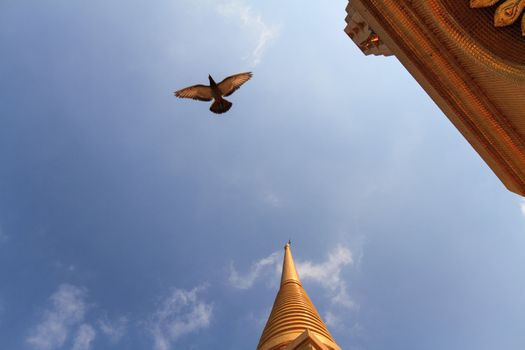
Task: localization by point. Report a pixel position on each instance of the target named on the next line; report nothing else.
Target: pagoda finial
(289, 272)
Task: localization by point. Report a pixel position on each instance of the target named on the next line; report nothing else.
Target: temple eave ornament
(363, 36)
(506, 14)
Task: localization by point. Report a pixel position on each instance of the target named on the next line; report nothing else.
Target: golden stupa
(294, 323)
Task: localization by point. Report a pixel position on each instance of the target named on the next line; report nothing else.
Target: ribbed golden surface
(293, 312)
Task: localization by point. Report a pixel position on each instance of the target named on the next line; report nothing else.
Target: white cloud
(181, 313)
(257, 268)
(85, 336)
(332, 320)
(327, 274)
(114, 330)
(65, 316)
(522, 206)
(67, 309)
(64, 267)
(272, 199)
(252, 23)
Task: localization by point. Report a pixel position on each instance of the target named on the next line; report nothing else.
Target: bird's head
(211, 79)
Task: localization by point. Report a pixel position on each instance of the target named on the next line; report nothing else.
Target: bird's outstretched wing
(196, 92)
(232, 83)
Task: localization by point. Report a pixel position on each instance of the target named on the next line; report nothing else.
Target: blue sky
(133, 220)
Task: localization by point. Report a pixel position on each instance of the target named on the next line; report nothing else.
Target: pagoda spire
(294, 320)
(289, 272)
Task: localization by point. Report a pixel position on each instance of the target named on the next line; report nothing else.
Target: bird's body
(216, 94)
(215, 91)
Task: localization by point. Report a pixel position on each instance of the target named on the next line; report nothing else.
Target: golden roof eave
(481, 93)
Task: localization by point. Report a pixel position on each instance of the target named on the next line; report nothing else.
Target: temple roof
(469, 56)
(293, 313)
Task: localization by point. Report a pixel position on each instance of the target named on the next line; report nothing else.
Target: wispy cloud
(252, 23)
(256, 270)
(85, 336)
(327, 273)
(522, 206)
(113, 329)
(272, 199)
(65, 322)
(64, 267)
(332, 320)
(67, 310)
(181, 313)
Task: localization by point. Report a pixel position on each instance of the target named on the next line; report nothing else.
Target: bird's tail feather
(220, 106)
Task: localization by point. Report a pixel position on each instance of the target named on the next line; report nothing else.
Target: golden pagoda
(294, 323)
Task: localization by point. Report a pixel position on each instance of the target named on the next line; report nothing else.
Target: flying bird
(216, 91)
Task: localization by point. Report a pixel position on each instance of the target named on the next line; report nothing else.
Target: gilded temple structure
(294, 323)
(469, 56)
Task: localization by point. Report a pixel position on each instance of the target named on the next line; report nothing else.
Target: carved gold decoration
(364, 36)
(506, 14)
(509, 66)
(370, 42)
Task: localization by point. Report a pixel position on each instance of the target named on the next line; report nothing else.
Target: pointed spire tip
(289, 272)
